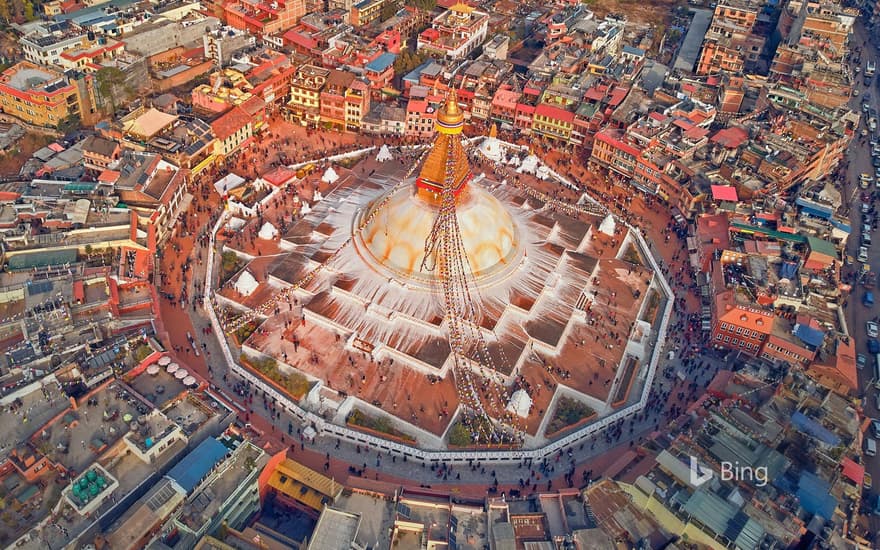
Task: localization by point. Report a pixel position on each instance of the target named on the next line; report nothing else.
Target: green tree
(388, 11)
(28, 9)
(5, 12)
(110, 82)
(426, 5)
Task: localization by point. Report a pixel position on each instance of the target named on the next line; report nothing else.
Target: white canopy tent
(520, 403)
(384, 154)
(267, 232)
(246, 284)
(330, 175)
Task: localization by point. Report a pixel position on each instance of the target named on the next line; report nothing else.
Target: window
(718, 337)
(734, 341)
(739, 330)
(726, 339)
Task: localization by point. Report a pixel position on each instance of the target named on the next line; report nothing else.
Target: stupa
(535, 269)
(393, 240)
(491, 147)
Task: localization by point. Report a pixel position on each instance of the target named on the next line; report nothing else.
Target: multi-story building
(262, 17)
(304, 106)
(231, 131)
(455, 33)
(98, 152)
(333, 101)
(41, 96)
(91, 56)
(420, 119)
(365, 12)
(229, 495)
(357, 104)
(45, 48)
(743, 328)
(730, 42)
(553, 122)
(380, 71)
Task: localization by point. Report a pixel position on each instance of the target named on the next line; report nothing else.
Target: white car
(866, 228)
(863, 254)
(873, 329)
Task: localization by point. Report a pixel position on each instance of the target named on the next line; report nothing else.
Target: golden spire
(450, 118)
(493, 131)
(434, 175)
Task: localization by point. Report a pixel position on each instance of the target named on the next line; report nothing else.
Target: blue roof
(413, 75)
(809, 335)
(196, 465)
(813, 208)
(814, 429)
(633, 51)
(382, 62)
(788, 270)
(814, 494)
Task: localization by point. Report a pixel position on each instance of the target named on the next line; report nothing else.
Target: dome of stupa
(393, 239)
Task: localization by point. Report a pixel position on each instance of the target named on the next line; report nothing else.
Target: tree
(28, 9)
(388, 11)
(5, 13)
(426, 5)
(110, 81)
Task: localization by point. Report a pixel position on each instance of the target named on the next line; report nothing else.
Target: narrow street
(857, 314)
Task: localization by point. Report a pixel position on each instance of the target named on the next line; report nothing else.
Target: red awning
(852, 471)
(724, 193)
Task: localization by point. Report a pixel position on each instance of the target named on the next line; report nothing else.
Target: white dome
(395, 239)
(491, 149)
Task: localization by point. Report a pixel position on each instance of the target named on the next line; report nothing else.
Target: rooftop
(26, 77)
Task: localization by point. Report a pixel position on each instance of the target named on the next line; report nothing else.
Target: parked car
(863, 254)
(861, 362)
(873, 345)
(873, 331)
(868, 482)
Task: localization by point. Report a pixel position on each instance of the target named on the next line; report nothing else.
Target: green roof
(41, 258)
(822, 247)
(78, 187)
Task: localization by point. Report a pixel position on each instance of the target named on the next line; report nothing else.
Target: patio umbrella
(164, 360)
(189, 381)
(181, 374)
(153, 370)
(126, 417)
(172, 368)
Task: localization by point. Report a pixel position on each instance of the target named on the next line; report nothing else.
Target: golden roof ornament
(450, 118)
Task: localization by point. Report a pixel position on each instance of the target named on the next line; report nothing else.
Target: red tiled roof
(231, 122)
(730, 137)
(752, 319)
(553, 112)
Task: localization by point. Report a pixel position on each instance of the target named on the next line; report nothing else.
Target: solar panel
(40, 287)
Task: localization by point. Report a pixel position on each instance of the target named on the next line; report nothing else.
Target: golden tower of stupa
(450, 122)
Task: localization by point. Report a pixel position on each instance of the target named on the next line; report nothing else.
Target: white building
(455, 33)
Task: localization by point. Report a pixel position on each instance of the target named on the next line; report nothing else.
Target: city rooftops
(27, 77)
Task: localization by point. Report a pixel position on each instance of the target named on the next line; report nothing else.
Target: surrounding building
(455, 33)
